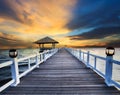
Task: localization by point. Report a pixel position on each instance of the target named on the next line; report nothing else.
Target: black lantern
(110, 51)
(13, 53)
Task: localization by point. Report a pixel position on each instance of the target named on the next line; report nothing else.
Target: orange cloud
(31, 20)
(49, 16)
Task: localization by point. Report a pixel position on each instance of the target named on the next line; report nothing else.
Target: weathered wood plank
(62, 74)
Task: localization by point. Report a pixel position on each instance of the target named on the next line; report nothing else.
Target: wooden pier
(62, 74)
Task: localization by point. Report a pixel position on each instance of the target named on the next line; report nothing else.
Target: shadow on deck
(62, 74)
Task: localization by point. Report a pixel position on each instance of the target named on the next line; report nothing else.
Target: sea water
(4, 54)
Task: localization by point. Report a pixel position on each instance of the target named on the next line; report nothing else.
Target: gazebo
(46, 40)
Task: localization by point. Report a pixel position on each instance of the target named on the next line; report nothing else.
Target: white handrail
(116, 62)
(5, 64)
(108, 68)
(39, 58)
(6, 85)
(25, 58)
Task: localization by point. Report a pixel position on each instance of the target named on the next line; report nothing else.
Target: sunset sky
(70, 22)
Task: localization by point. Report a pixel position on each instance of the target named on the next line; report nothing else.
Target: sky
(75, 23)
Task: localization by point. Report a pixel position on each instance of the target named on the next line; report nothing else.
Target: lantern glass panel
(107, 51)
(111, 51)
(12, 53)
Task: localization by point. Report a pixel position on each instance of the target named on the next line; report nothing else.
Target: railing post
(40, 57)
(80, 54)
(83, 56)
(50, 53)
(88, 58)
(43, 56)
(14, 67)
(77, 53)
(37, 62)
(73, 52)
(95, 60)
(108, 72)
(29, 63)
(15, 72)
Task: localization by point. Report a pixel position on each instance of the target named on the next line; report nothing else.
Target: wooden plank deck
(62, 74)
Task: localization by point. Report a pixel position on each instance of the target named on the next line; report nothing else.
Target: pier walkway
(62, 74)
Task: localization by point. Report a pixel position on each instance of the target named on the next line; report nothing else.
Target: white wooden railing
(32, 62)
(93, 61)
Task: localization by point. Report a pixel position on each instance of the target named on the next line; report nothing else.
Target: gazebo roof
(46, 40)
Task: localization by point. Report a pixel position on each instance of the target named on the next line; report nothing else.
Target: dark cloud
(26, 18)
(115, 43)
(10, 41)
(101, 15)
(99, 33)
(91, 13)
(7, 39)
(7, 11)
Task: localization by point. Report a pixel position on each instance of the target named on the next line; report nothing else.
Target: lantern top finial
(110, 48)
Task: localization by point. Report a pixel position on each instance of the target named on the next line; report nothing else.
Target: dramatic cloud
(42, 15)
(99, 33)
(115, 43)
(7, 11)
(95, 21)
(95, 13)
(33, 19)
(12, 11)
(10, 41)
(108, 36)
(82, 21)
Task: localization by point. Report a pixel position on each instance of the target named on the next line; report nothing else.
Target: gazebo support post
(42, 46)
(39, 47)
(53, 45)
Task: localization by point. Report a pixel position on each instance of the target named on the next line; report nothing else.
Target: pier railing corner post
(79, 54)
(14, 67)
(37, 61)
(108, 71)
(40, 57)
(88, 59)
(43, 56)
(110, 51)
(15, 72)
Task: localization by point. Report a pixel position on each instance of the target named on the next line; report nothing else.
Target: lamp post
(14, 67)
(110, 51)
